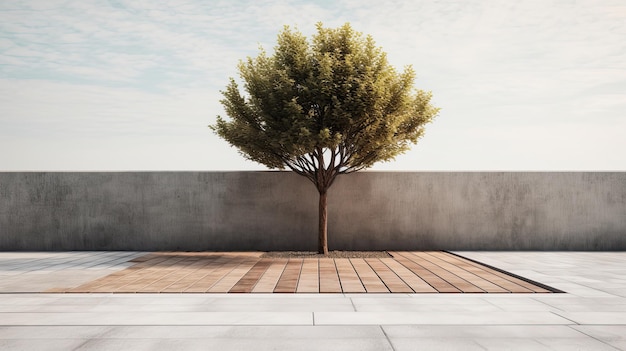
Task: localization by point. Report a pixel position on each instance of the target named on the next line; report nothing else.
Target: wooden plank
(371, 281)
(144, 258)
(267, 282)
(230, 279)
(144, 274)
(309, 277)
(432, 279)
(532, 287)
(249, 280)
(105, 284)
(329, 278)
(462, 273)
(196, 272)
(289, 279)
(220, 268)
(95, 284)
(161, 279)
(458, 282)
(348, 277)
(485, 273)
(391, 280)
(411, 279)
(430, 271)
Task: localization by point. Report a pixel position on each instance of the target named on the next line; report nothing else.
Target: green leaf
(336, 92)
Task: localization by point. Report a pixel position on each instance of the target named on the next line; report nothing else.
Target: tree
(329, 107)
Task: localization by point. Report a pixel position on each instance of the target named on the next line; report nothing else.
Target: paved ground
(247, 272)
(591, 315)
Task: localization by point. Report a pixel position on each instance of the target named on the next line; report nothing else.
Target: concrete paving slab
(157, 318)
(127, 344)
(565, 344)
(478, 308)
(53, 332)
(590, 308)
(591, 318)
(604, 332)
(237, 344)
(481, 331)
(614, 335)
(242, 338)
(277, 307)
(421, 299)
(511, 344)
(448, 344)
(438, 318)
(296, 299)
(41, 344)
(352, 321)
(244, 332)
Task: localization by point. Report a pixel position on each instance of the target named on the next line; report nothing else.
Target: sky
(132, 85)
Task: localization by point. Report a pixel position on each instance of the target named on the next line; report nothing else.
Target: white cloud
(64, 110)
(504, 73)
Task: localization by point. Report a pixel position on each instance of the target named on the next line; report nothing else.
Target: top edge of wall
(288, 171)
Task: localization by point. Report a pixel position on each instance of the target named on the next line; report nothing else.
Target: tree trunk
(322, 246)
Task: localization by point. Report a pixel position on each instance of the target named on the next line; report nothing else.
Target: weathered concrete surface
(278, 211)
(156, 211)
(480, 211)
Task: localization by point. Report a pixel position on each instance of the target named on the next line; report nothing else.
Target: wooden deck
(406, 272)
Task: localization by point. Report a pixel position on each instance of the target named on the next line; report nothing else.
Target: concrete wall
(278, 211)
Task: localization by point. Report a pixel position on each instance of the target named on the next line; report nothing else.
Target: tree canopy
(324, 107)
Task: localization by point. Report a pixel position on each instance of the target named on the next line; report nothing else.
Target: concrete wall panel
(278, 211)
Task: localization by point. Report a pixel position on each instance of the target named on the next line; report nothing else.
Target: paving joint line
(387, 337)
(574, 322)
(353, 305)
(593, 337)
